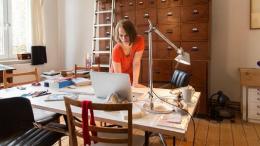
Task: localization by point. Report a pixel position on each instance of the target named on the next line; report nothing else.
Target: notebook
(105, 84)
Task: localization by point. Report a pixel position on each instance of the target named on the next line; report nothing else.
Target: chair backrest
(16, 115)
(7, 75)
(74, 124)
(180, 78)
(77, 68)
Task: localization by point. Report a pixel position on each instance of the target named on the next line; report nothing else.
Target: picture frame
(254, 14)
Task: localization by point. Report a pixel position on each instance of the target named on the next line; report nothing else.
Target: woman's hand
(136, 85)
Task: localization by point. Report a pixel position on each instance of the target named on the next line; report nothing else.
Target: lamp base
(157, 108)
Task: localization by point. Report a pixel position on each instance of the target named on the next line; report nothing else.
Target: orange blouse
(118, 56)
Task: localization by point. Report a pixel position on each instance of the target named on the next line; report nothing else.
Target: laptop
(106, 84)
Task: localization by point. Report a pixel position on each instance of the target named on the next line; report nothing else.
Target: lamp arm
(154, 29)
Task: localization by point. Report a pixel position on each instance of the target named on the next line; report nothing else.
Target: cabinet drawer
(104, 32)
(253, 112)
(162, 70)
(169, 15)
(168, 3)
(172, 32)
(103, 45)
(194, 32)
(143, 30)
(194, 2)
(103, 58)
(104, 18)
(165, 51)
(125, 5)
(144, 4)
(198, 71)
(198, 13)
(130, 15)
(104, 5)
(254, 95)
(140, 20)
(197, 50)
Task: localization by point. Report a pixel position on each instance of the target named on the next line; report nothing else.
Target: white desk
(146, 123)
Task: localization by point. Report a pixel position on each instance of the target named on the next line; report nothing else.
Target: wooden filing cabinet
(250, 94)
(185, 23)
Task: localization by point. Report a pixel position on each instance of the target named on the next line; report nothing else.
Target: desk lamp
(182, 57)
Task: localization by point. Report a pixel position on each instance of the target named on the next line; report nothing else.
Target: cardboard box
(24, 56)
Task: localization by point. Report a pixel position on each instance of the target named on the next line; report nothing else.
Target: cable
(193, 140)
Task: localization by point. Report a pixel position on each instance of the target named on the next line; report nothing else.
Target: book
(60, 97)
(81, 81)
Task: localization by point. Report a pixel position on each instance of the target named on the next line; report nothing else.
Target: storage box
(60, 84)
(24, 56)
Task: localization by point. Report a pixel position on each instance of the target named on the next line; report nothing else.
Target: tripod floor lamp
(182, 57)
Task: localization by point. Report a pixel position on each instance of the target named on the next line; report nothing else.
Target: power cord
(193, 140)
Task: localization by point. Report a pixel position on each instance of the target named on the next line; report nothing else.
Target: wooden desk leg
(174, 141)
(146, 138)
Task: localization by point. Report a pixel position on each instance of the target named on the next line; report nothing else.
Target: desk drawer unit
(254, 104)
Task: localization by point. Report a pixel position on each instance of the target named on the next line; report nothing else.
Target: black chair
(179, 79)
(17, 127)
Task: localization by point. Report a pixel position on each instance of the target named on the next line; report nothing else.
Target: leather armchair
(17, 127)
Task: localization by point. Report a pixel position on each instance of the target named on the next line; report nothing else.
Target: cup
(186, 94)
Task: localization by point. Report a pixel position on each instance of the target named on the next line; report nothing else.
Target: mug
(186, 94)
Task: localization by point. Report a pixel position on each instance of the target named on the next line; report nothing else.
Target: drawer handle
(258, 114)
(107, 33)
(258, 93)
(146, 32)
(107, 18)
(141, 3)
(107, 48)
(121, 5)
(195, 11)
(163, 1)
(169, 31)
(169, 48)
(194, 48)
(258, 99)
(169, 14)
(195, 29)
(126, 17)
(258, 106)
(157, 72)
(130, 3)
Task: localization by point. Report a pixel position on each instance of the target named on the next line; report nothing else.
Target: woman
(127, 53)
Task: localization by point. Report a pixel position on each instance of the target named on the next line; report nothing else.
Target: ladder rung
(101, 65)
(100, 25)
(101, 12)
(104, 38)
(101, 52)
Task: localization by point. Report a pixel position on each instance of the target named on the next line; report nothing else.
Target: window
(15, 27)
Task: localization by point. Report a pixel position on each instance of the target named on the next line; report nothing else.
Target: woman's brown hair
(129, 28)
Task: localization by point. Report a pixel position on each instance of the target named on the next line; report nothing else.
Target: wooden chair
(106, 135)
(40, 116)
(7, 75)
(81, 68)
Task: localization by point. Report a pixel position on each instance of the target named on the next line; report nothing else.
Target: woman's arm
(136, 67)
(117, 67)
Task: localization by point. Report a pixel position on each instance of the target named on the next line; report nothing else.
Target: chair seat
(138, 140)
(32, 137)
(44, 117)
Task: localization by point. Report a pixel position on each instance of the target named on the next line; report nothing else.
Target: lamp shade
(183, 58)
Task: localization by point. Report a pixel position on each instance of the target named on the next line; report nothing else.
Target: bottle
(88, 61)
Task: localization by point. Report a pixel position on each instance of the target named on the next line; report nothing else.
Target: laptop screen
(105, 84)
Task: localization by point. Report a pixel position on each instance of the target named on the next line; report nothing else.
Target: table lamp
(182, 57)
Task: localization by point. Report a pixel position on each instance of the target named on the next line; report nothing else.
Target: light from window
(15, 27)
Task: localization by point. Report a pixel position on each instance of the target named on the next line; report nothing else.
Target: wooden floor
(212, 133)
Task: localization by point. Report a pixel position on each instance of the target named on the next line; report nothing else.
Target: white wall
(234, 45)
(76, 30)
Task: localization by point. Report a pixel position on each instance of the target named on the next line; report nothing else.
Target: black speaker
(38, 55)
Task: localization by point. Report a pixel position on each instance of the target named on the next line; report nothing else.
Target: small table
(8, 69)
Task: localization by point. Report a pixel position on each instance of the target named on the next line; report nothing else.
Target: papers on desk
(173, 120)
(60, 97)
(81, 81)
